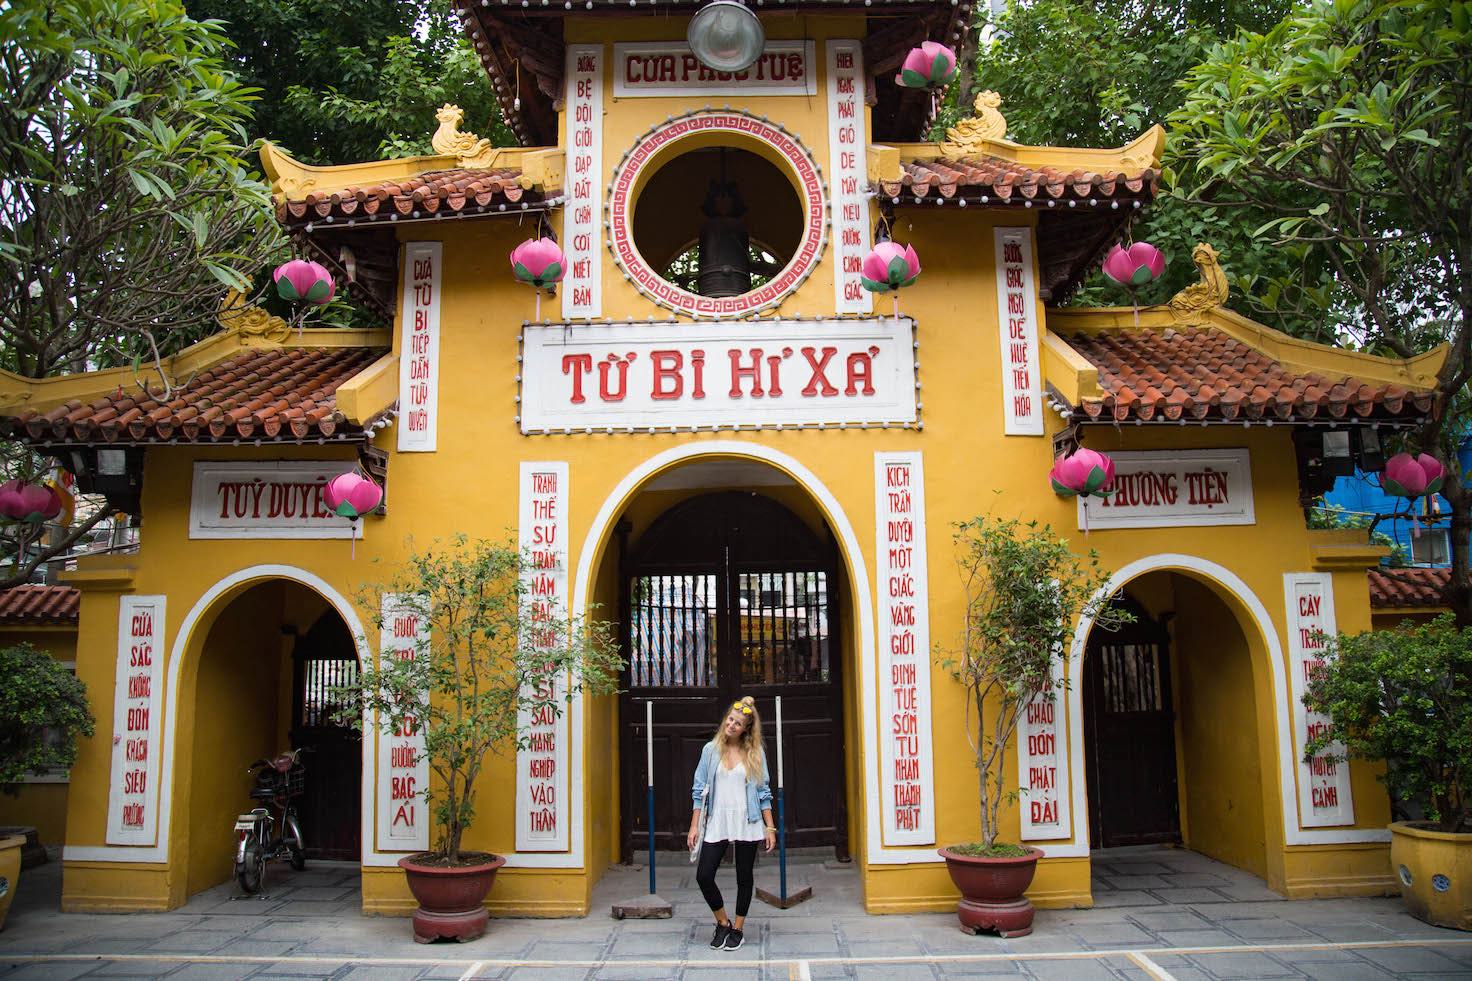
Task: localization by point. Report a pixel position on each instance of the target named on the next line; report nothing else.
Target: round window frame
(741, 130)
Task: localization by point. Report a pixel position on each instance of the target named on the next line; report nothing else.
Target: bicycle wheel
(294, 844)
(251, 869)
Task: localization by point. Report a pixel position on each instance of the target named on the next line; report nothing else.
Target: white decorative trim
(599, 532)
(159, 853)
(1282, 726)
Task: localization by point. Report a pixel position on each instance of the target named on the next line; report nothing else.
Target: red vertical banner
(541, 762)
(133, 792)
(906, 761)
(1324, 798)
(403, 769)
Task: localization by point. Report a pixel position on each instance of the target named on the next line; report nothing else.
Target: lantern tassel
(895, 296)
(538, 316)
(353, 540)
(1085, 503)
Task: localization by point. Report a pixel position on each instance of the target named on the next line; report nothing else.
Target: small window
(1431, 547)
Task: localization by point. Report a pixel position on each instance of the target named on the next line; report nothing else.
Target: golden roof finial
(448, 141)
(1189, 304)
(968, 137)
(238, 313)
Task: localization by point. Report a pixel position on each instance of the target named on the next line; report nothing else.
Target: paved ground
(1161, 914)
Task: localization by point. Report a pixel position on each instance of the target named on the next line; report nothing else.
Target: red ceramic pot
(991, 891)
(451, 898)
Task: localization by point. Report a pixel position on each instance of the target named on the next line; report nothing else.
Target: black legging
(711, 853)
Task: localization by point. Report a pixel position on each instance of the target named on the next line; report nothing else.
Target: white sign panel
(1168, 488)
(1041, 756)
(541, 766)
(646, 68)
(1324, 798)
(1017, 318)
(582, 288)
(265, 499)
(419, 348)
(847, 141)
(132, 801)
(908, 803)
(718, 375)
(403, 769)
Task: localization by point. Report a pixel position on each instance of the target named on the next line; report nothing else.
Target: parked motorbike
(263, 837)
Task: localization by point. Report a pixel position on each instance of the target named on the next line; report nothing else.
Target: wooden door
(726, 595)
(1130, 743)
(323, 658)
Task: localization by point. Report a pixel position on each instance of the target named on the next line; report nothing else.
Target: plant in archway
(43, 708)
(1025, 589)
(487, 659)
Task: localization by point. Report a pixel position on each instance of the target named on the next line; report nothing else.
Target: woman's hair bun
(747, 700)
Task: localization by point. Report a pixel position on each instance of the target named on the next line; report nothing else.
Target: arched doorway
(259, 680)
(1172, 737)
(727, 594)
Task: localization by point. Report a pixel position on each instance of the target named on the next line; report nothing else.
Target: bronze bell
(725, 248)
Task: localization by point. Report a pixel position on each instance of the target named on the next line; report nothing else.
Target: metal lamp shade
(726, 36)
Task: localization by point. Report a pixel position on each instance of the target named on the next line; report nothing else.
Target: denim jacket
(758, 793)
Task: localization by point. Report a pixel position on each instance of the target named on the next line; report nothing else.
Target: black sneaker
(734, 937)
(719, 937)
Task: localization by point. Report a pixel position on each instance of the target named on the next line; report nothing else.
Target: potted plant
(488, 657)
(43, 708)
(1404, 696)
(1024, 589)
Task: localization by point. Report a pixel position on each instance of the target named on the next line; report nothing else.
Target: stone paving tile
(132, 969)
(1069, 970)
(1139, 881)
(257, 948)
(1126, 898)
(904, 972)
(547, 974)
(1278, 930)
(1114, 935)
(1188, 895)
(52, 971)
(1411, 960)
(1169, 920)
(712, 974)
(1197, 938)
(1244, 964)
(380, 972)
(215, 972)
(1359, 971)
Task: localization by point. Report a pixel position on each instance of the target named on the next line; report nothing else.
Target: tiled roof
(264, 393)
(436, 192)
(38, 605)
(1198, 373)
(1398, 589)
(974, 177)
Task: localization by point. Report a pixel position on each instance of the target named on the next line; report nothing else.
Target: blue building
(1360, 495)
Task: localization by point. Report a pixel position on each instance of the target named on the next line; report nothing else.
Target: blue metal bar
(652, 890)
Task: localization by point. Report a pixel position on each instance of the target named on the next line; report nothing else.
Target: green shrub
(43, 707)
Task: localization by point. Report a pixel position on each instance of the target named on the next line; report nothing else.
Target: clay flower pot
(450, 898)
(1435, 873)
(991, 891)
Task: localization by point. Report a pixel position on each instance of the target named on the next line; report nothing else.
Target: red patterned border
(654, 286)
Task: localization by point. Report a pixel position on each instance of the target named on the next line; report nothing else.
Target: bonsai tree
(1025, 589)
(489, 661)
(1404, 696)
(43, 708)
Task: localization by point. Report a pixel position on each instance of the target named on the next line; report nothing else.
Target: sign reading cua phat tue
(854, 372)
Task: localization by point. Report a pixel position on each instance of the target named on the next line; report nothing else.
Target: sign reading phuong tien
(769, 374)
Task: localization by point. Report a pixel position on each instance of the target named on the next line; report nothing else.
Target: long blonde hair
(751, 739)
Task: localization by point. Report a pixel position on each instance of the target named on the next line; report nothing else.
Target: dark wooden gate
(730, 594)
(1130, 742)
(325, 657)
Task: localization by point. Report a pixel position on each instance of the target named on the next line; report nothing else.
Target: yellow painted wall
(471, 484)
(1222, 790)
(41, 804)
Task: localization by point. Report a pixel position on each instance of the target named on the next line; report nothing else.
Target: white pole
(649, 740)
(779, 742)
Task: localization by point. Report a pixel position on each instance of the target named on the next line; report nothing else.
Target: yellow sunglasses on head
(742, 707)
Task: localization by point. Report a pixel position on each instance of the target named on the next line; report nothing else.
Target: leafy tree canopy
(347, 80)
(43, 708)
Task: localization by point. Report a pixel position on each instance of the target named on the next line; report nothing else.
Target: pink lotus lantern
(301, 281)
(1139, 265)
(1083, 473)
(888, 268)
(32, 503)
(1412, 477)
(541, 263)
(350, 495)
(930, 66)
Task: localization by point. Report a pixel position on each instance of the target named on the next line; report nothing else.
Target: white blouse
(727, 820)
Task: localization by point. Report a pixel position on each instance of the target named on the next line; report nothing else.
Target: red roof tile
(433, 193)
(1398, 589)
(1199, 373)
(39, 605)
(975, 177)
(265, 394)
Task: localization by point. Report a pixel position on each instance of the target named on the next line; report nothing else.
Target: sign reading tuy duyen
(265, 499)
